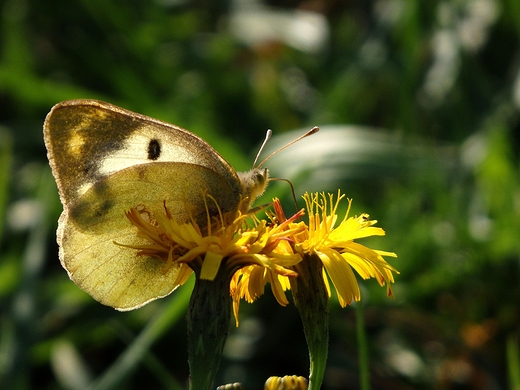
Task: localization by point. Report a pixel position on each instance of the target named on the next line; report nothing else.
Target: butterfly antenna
(315, 129)
(267, 137)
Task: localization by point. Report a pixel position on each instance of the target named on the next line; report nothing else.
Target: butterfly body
(107, 160)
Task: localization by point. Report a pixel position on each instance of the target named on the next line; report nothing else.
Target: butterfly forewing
(88, 140)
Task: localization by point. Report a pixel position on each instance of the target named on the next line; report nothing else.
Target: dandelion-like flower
(222, 245)
(327, 251)
(330, 250)
(338, 252)
(288, 382)
(214, 253)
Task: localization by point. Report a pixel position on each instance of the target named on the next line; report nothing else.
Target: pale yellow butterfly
(106, 160)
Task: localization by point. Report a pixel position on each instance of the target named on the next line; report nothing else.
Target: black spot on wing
(154, 149)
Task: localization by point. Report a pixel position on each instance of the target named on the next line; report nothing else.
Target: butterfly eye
(261, 176)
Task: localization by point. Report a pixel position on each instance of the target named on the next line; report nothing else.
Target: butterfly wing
(90, 228)
(88, 140)
(107, 160)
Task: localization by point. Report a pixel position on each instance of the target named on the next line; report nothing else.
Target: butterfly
(106, 160)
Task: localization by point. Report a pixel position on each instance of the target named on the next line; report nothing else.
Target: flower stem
(312, 301)
(208, 325)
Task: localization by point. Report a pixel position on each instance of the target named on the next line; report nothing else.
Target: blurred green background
(419, 106)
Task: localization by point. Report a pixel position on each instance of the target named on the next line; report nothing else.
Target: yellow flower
(188, 246)
(337, 250)
(288, 382)
(254, 254)
(327, 249)
(215, 254)
(334, 246)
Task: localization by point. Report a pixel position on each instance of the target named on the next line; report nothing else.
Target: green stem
(513, 361)
(208, 320)
(364, 375)
(312, 301)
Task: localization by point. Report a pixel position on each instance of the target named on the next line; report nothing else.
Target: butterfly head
(254, 183)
